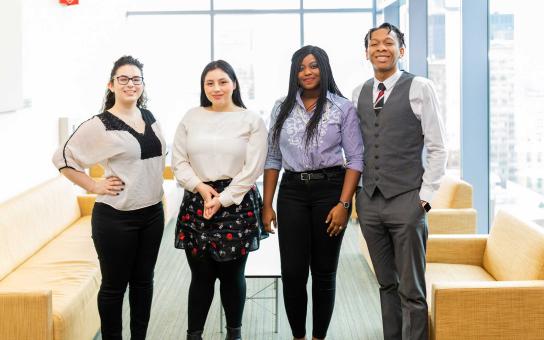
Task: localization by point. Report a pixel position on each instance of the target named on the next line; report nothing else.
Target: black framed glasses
(123, 80)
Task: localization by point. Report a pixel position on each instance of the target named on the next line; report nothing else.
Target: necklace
(134, 121)
(310, 105)
(305, 115)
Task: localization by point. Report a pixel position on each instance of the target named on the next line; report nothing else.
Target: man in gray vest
(399, 116)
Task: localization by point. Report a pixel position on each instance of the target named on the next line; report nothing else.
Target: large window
(174, 52)
(516, 103)
(342, 37)
(444, 67)
(260, 57)
(176, 39)
(252, 4)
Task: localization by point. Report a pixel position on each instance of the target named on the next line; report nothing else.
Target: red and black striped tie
(378, 104)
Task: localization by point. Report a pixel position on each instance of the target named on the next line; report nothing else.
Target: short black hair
(389, 27)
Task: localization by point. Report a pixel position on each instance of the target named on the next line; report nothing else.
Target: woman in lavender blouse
(314, 135)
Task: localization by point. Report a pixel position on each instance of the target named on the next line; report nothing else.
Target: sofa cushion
(437, 272)
(453, 193)
(515, 249)
(30, 220)
(68, 265)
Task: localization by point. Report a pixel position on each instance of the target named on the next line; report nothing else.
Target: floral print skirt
(231, 233)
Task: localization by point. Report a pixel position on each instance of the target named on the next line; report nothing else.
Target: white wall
(10, 67)
(68, 53)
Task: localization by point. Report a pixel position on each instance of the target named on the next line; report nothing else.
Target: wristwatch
(346, 205)
(427, 206)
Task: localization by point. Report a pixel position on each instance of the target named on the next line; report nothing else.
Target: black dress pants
(303, 206)
(127, 243)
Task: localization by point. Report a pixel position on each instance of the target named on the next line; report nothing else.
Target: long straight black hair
(225, 67)
(326, 84)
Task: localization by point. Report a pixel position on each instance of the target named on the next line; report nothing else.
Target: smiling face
(384, 52)
(218, 88)
(309, 76)
(128, 93)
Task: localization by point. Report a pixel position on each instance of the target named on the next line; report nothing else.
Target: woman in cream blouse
(218, 153)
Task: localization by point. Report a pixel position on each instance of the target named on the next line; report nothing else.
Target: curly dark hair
(389, 27)
(326, 84)
(109, 97)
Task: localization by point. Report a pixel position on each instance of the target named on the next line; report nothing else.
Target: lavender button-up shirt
(338, 131)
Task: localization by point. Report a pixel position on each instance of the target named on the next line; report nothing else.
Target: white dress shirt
(425, 105)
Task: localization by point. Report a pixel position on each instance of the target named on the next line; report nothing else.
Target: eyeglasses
(123, 80)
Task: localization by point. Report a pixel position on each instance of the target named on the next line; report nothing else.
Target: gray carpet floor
(356, 315)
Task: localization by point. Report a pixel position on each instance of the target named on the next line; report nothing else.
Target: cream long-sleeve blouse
(210, 146)
(136, 158)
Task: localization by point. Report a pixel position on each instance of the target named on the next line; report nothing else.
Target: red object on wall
(69, 2)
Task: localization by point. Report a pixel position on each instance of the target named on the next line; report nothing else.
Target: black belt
(312, 175)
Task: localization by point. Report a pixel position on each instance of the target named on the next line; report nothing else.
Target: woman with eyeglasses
(218, 153)
(311, 130)
(127, 218)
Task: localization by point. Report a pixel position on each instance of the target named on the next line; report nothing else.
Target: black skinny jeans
(304, 244)
(127, 243)
(204, 272)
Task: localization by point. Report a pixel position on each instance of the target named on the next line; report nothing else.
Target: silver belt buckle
(305, 176)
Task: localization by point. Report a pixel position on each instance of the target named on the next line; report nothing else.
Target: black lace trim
(150, 144)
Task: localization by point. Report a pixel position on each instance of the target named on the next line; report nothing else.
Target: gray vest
(393, 141)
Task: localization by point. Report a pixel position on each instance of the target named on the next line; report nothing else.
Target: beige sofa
(49, 271)
(488, 287)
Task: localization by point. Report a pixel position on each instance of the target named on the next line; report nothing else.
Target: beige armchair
(452, 211)
(487, 286)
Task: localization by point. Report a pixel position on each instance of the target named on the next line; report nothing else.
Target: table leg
(276, 313)
(220, 318)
